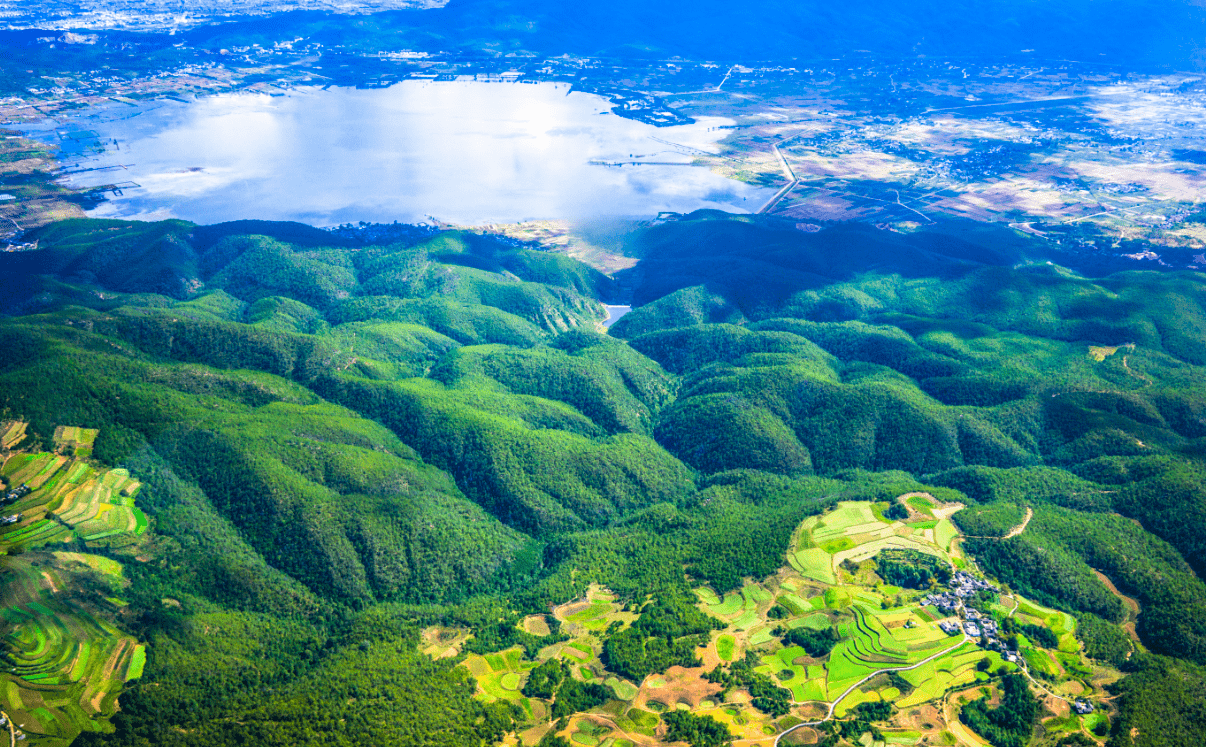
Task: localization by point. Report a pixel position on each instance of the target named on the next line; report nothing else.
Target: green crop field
(814, 563)
(747, 620)
(756, 594)
(816, 621)
(500, 676)
(944, 532)
(623, 689)
(733, 603)
(793, 603)
(846, 516)
(66, 663)
(592, 612)
(724, 647)
(835, 546)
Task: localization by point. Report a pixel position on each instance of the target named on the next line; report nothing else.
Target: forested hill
(341, 442)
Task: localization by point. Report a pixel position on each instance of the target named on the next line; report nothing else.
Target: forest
(1010, 723)
(911, 569)
(342, 443)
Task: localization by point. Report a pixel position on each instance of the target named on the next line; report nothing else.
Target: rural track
(1021, 527)
(12, 732)
(1012, 532)
(832, 706)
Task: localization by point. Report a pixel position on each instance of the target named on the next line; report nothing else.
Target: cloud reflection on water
(463, 152)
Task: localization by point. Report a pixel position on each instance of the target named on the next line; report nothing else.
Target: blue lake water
(464, 152)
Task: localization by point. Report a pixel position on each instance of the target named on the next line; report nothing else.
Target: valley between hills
(272, 484)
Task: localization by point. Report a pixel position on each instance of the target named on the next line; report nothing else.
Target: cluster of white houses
(975, 623)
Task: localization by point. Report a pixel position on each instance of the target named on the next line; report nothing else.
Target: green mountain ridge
(341, 443)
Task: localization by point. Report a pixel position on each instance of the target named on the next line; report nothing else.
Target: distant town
(1097, 160)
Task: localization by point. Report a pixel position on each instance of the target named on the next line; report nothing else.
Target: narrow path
(1021, 527)
(1146, 381)
(1132, 607)
(1026, 671)
(1012, 532)
(871, 676)
(12, 732)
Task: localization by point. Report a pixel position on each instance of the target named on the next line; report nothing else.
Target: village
(979, 626)
(976, 625)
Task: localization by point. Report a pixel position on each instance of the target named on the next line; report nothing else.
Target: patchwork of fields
(890, 649)
(70, 499)
(65, 657)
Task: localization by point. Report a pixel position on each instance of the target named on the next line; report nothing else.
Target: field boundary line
(833, 706)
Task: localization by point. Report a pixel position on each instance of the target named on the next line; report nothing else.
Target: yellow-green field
(66, 659)
(890, 649)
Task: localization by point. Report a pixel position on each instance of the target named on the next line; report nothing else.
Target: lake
(464, 152)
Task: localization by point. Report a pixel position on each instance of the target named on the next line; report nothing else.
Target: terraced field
(889, 648)
(64, 664)
(77, 441)
(11, 433)
(70, 499)
(65, 660)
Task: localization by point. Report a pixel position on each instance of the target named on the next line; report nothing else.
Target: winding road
(963, 639)
(1012, 532)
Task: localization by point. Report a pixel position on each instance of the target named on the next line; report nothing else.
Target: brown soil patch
(709, 656)
(1131, 603)
(118, 655)
(540, 711)
(682, 686)
(477, 667)
(922, 718)
(974, 693)
(1057, 706)
(803, 735)
(535, 734)
(575, 654)
(536, 625)
(1072, 687)
(811, 711)
(570, 608)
